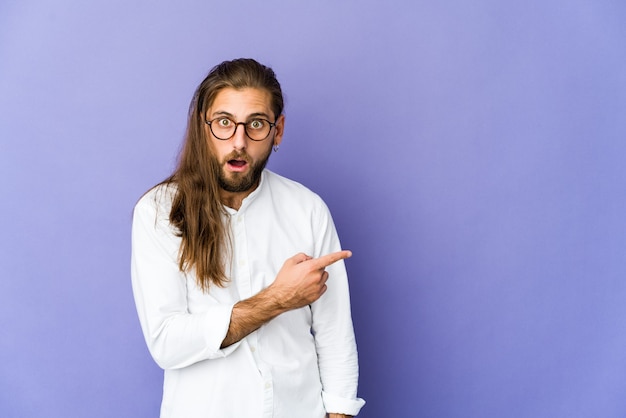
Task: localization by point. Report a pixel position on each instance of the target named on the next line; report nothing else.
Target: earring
(275, 148)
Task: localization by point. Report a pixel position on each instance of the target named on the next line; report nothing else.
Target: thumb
(299, 258)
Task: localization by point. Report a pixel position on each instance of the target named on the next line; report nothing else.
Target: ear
(280, 129)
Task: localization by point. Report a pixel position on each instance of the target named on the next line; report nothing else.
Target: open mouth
(237, 165)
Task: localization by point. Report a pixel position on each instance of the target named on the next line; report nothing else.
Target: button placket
(240, 262)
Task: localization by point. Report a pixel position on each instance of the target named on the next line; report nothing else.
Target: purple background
(472, 154)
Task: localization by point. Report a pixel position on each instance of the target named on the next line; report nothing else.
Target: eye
(256, 124)
(224, 122)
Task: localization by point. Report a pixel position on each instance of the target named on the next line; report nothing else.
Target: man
(237, 273)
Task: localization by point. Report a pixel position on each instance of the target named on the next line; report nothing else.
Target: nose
(240, 138)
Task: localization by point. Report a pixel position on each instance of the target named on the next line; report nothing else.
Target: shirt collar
(247, 201)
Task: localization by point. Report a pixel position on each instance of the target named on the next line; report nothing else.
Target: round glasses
(224, 128)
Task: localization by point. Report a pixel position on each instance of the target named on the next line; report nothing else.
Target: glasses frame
(245, 128)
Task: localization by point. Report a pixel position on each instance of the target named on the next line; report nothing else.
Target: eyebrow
(250, 116)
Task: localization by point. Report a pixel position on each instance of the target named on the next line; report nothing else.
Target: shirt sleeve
(175, 337)
(333, 329)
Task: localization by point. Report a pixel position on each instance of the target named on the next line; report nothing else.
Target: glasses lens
(223, 128)
(258, 129)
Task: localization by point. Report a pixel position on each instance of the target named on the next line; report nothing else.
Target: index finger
(328, 259)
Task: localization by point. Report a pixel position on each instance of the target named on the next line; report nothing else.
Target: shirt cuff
(338, 405)
(217, 322)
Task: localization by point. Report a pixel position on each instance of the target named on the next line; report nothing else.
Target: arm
(333, 330)
(300, 282)
(175, 336)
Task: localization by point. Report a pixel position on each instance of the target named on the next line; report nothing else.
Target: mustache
(237, 155)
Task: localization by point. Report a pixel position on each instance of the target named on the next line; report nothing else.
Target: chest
(259, 244)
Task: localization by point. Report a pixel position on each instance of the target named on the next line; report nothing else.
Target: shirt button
(253, 349)
(242, 263)
(268, 385)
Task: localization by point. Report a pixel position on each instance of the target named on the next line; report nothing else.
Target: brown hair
(197, 211)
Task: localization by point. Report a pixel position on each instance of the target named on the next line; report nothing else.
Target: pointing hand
(302, 279)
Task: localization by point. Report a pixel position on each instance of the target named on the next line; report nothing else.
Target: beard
(240, 182)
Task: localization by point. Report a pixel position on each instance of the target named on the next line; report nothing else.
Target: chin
(236, 185)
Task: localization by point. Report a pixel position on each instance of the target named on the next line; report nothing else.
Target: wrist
(273, 301)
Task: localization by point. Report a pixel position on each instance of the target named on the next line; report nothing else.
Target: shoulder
(292, 196)
(156, 202)
(287, 188)
(151, 227)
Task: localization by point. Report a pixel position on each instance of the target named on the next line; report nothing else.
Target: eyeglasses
(224, 128)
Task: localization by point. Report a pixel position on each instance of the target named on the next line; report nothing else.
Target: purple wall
(472, 154)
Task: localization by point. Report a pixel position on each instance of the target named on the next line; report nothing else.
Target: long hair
(197, 211)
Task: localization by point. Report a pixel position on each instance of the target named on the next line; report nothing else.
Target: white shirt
(302, 363)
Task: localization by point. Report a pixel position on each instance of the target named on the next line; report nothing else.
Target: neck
(235, 199)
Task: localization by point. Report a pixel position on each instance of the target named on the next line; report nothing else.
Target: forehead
(241, 102)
